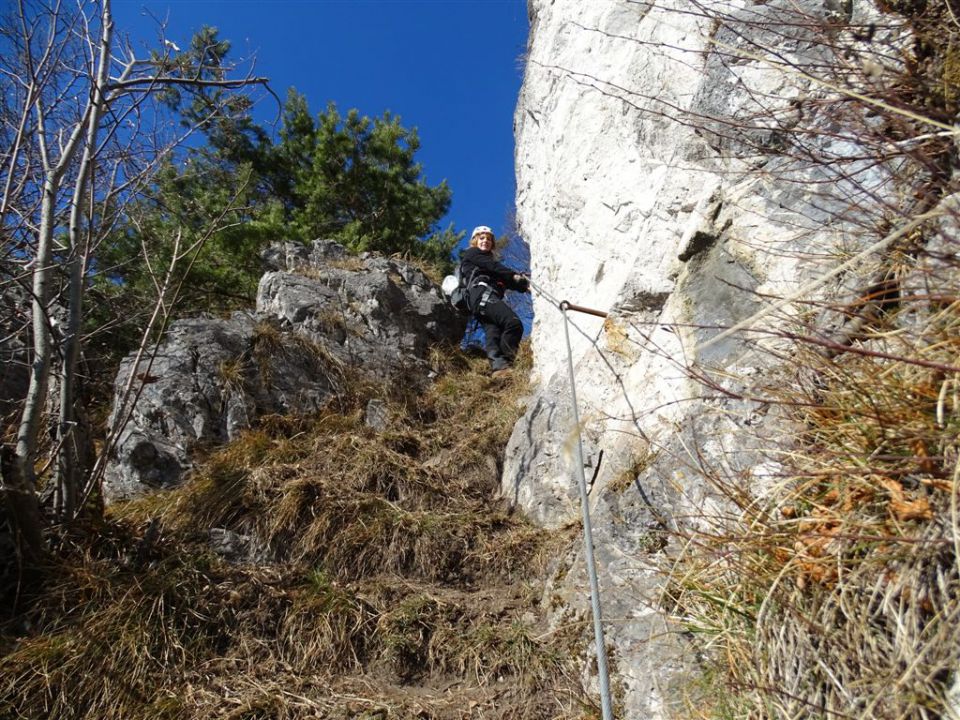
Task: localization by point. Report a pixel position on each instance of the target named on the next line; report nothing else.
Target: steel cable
(602, 670)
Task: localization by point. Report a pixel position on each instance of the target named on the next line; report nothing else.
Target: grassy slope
(391, 582)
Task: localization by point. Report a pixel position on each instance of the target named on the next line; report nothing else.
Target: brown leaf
(944, 485)
(911, 509)
(893, 487)
(920, 451)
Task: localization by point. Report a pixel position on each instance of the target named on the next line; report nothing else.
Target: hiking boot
(498, 364)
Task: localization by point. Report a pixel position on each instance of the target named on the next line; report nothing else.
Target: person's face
(485, 242)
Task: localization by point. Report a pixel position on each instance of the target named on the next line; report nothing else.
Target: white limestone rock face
(650, 186)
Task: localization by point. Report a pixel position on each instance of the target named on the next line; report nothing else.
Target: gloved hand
(523, 283)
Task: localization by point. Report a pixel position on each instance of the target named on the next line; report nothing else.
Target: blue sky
(450, 68)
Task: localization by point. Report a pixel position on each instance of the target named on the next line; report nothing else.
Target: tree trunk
(68, 471)
(42, 341)
(24, 511)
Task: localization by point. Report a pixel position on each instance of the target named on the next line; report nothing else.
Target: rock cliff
(320, 314)
(679, 169)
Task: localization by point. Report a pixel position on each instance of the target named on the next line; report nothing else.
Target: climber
(487, 279)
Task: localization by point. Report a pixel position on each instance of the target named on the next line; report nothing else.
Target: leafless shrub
(83, 128)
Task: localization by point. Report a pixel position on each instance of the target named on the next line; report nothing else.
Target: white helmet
(481, 229)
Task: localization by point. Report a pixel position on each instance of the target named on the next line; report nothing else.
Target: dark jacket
(482, 271)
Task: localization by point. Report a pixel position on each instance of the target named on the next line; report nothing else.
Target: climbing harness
(487, 294)
(602, 671)
(457, 291)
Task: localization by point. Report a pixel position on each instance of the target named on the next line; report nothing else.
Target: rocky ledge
(320, 315)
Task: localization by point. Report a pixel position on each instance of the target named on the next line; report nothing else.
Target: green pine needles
(347, 178)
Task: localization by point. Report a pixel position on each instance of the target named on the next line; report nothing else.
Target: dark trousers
(503, 331)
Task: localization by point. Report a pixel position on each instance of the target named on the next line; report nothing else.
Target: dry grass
(836, 593)
(269, 343)
(398, 587)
